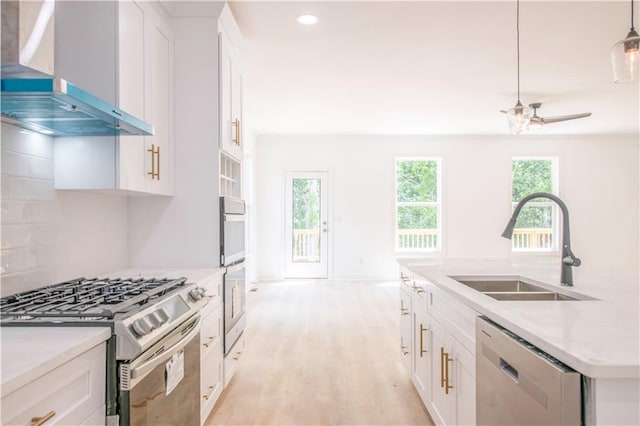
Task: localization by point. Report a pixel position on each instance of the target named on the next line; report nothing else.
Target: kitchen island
(599, 338)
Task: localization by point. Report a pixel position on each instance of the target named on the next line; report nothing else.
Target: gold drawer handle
(209, 341)
(405, 311)
(422, 330)
(236, 126)
(155, 162)
(206, 397)
(404, 351)
(39, 421)
(444, 371)
(237, 357)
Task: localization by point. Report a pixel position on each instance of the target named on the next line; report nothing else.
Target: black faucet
(568, 258)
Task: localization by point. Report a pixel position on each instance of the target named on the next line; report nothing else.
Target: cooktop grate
(82, 298)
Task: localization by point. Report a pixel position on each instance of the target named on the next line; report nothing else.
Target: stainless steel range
(154, 348)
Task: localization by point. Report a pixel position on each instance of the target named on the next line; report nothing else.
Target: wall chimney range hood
(35, 100)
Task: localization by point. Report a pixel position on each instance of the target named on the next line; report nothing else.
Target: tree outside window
(418, 204)
(536, 225)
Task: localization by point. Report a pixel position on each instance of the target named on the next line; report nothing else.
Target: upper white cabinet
(230, 79)
(122, 52)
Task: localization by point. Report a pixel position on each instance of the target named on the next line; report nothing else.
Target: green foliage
(417, 181)
(306, 204)
(531, 176)
(417, 217)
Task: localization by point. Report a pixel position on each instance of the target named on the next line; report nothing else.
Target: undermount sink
(516, 289)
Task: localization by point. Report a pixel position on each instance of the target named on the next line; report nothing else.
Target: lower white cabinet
(441, 367)
(232, 359)
(211, 352)
(72, 394)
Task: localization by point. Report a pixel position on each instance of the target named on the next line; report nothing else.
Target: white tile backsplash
(50, 236)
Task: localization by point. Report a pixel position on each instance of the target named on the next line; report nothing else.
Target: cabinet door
(464, 378)
(230, 99)
(422, 354)
(441, 396)
(406, 330)
(159, 147)
(131, 92)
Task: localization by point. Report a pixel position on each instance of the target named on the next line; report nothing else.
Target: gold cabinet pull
(158, 163)
(209, 341)
(39, 421)
(422, 330)
(155, 164)
(447, 360)
(206, 397)
(404, 350)
(236, 126)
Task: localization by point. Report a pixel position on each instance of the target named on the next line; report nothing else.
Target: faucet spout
(569, 260)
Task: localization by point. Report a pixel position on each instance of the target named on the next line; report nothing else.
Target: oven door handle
(233, 217)
(164, 356)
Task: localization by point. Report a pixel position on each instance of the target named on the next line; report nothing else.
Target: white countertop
(30, 352)
(598, 338)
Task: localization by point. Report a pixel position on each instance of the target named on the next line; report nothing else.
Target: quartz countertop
(30, 352)
(196, 275)
(599, 338)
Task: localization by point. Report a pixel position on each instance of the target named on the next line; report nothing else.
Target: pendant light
(520, 115)
(625, 56)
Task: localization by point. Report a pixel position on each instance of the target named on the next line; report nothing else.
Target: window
(536, 227)
(418, 205)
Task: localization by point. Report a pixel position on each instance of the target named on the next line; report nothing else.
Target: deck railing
(532, 238)
(306, 242)
(306, 245)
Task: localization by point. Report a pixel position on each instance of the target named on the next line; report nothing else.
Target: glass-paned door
(306, 225)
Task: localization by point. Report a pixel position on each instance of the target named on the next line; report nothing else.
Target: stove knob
(142, 326)
(154, 319)
(162, 314)
(195, 294)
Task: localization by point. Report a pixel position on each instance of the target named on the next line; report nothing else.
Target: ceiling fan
(519, 117)
(537, 121)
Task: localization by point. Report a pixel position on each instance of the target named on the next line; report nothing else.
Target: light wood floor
(321, 353)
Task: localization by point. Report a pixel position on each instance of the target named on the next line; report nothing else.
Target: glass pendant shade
(519, 117)
(625, 59)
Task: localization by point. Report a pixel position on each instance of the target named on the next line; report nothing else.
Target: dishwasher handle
(508, 370)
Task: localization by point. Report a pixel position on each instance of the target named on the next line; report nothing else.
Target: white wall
(183, 231)
(598, 179)
(47, 235)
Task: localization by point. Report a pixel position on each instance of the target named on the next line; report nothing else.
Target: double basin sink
(517, 289)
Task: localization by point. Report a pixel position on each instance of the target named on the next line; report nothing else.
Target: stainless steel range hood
(33, 98)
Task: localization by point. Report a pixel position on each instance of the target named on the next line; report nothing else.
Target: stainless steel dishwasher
(518, 384)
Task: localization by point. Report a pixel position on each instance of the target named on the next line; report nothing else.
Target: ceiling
(431, 67)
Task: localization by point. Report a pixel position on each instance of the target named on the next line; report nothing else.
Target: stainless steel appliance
(153, 364)
(518, 384)
(234, 304)
(231, 231)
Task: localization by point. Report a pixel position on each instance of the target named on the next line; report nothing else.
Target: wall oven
(234, 304)
(232, 218)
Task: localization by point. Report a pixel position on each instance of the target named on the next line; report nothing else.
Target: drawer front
(98, 418)
(211, 332)
(73, 392)
(232, 359)
(458, 318)
(405, 278)
(213, 288)
(211, 384)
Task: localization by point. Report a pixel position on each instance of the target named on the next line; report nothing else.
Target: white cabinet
(71, 394)
(230, 176)
(230, 79)
(406, 327)
(211, 350)
(453, 400)
(134, 47)
(441, 349)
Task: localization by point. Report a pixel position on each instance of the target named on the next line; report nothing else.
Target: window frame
(555, 215)
(437, 204)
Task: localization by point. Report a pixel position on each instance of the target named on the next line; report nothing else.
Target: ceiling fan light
(625, 59)
(519, 118)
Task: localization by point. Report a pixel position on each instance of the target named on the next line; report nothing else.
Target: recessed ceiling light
(308, 19)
